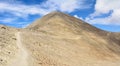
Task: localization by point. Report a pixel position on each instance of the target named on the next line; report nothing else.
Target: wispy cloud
(78, 17)
(103, 7)
(66, 5)
(6, 20)
(20, 10)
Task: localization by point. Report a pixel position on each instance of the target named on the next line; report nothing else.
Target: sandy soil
(59, 40)
(22, 56)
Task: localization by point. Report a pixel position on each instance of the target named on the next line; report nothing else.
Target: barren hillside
(58, 39)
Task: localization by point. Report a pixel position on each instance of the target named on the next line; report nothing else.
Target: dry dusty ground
(59, 40)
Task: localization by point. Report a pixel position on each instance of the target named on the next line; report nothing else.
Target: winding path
(22, 56)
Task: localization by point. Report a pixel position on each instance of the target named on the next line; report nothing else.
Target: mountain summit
(58, 39)
(58, 22)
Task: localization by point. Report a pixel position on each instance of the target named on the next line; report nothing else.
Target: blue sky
(104, 14)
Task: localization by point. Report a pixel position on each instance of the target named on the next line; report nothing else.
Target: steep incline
(72, 42)
(63, 25)
(63, 22)
(58, 39)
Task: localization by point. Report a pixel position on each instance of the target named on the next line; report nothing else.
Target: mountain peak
(56, 12)
(58, 39)
(58, 22)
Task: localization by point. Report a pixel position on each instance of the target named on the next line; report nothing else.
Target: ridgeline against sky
(20, 13)
(58, 39)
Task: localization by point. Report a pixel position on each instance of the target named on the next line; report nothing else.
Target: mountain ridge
(58, 39)
(69, 21)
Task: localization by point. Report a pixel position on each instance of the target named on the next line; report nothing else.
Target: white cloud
(105, 7)
(78, 17)
(66, 5)
(7, 20)
(20, 10)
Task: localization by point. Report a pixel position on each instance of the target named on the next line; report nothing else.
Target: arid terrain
(58, 39)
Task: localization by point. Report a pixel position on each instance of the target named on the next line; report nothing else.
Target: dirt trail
(22, 56)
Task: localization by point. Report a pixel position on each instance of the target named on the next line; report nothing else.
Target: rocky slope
(58, 39)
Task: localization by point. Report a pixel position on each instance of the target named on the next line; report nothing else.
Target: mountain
(58, 39)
